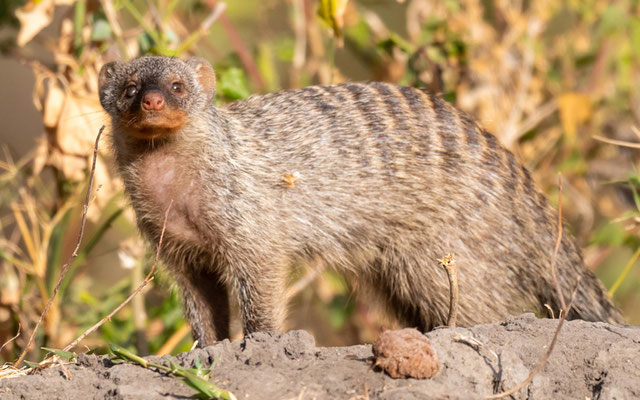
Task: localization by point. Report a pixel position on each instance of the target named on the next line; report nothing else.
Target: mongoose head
(154, 96)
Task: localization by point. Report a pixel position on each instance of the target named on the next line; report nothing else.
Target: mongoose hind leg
(395, 282)
(206, 304)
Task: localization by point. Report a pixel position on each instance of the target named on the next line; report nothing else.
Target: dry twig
(66, 267)
(317, 267)
(622, 143)
(564, 311)
(240, 47)
(300, 47)
(173, 340)
(12, 339)
(469, 341)
(548, 307)
(144, 283)
(542, 362)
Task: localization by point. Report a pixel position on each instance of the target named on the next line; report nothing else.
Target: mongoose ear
(205, 73)
(107, 72)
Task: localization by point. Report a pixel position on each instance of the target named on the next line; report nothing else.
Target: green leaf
(67, 355)
(203, 387)
(610, 234)
(614, 19)
(10, 259)
(636, 197)
(145, 42)
(55, 253)
(172, 364)
(267, 67)
(394, 40)
(31, 364)
(284, 48)
(171, 36)
(233, 84)
(79, 14)
(93, 240)
(331, 13)
(635, 36)
(101, 30)
(359, 33)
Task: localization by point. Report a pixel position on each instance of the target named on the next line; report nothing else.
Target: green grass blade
(624, 273)
(67, 355)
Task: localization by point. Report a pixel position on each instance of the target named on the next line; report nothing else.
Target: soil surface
(590, 361)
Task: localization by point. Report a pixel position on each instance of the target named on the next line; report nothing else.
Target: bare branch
(12, 339)
(240, 48)
(317, 267)
(622, 143)
(542, 362)
(65, 268)
(144, 283)
(564, 311)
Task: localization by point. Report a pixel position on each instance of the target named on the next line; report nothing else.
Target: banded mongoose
(379, 181)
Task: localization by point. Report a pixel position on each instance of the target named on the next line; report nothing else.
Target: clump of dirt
(590, 360)
(405, 353)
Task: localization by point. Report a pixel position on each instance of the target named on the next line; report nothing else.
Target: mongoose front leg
(206, 304)
(262, 303)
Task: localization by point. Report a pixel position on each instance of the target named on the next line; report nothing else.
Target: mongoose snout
(153, 101)
(380, 181)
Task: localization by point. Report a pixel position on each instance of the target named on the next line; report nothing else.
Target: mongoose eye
(176, 86)
(131, 90)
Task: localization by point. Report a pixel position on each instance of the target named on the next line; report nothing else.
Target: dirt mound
(590, 360)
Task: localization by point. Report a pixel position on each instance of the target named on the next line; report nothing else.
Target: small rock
(406, 353)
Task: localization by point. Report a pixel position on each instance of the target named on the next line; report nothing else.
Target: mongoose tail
(591, 301)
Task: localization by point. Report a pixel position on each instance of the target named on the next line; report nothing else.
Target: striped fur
(389, 180)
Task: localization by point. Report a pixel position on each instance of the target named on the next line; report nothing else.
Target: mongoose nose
(153, 101)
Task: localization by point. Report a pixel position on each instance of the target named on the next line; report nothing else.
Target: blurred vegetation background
(557, 81)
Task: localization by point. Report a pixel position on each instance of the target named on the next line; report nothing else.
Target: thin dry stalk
(173, 340)
(448, 262)
(8, 371)
(300, 48)
(240, 48)
(622, 143)
(548, 307)
(65, 268)
(536, 117)
(144, 283)
(542, 362)
(112, 16)
(203, 30)
(564, 311)
(510, 129)
(12, 339)
(317, 267)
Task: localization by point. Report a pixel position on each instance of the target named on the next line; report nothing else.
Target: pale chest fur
(158, 181)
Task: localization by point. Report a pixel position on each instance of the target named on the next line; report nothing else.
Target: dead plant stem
(564, 311)
(449, 264)
(65, 268)
(542, 362)
(240, 47)
(144, 283)
(12, 339)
